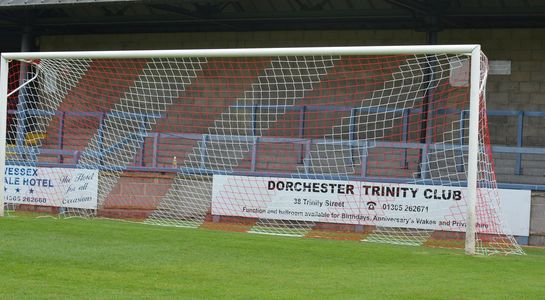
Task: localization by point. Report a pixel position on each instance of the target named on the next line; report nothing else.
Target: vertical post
(405, 136)
(254, 154)
(60, 136)
(424, 168)
(520, 128)
(426, 124)
(254, 120)
(306, 161)
(363, 159)
(302, 130)
(21, 113)
(22, 103)
(101, 138)
(155, 148)
(203, 150)
(352, 133)
(432, 37)
(3, 125)
(472, 168)
(460, 161)
(143, 134)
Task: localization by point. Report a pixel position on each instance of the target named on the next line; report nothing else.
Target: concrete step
(329, 158)
(501, 155)
(504, 170)
(186, 200)
(512, 156)
(232, 125)
(348, 170)
(527, 164)
(506, 163)
(523, 179)
(395, 173)
(533, 171)
(525, 171)
(217, 155)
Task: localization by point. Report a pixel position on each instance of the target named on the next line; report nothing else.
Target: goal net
(366, 143)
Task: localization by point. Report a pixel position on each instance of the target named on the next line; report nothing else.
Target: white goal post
(312, 66)
(3, 126)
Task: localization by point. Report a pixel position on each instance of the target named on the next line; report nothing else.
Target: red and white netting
(372, 147)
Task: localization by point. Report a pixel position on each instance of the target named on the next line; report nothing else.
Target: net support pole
(473, 154)
(3, 125)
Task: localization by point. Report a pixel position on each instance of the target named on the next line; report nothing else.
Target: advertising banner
(62, 187)
(369, 203)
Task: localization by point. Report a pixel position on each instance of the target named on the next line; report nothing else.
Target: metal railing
(301, 141)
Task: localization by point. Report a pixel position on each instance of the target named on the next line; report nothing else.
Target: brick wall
(524, 89)
(136, 194)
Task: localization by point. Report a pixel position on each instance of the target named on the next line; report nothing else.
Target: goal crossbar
(255, 52)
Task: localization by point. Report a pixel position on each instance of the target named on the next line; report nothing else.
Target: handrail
(204, 171)
(114, 113)
(359, 144)
(518, 150)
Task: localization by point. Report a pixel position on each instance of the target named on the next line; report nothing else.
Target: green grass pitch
(101, 259)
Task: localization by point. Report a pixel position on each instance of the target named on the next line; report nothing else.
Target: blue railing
(519, 149)
(305, 143)
(405, 113)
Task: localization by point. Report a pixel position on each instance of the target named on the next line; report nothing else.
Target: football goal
(380, 144)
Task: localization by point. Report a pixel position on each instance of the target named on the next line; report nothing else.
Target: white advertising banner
(368, 203)
(62, 187)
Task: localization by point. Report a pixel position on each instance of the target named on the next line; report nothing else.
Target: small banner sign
(61, 187)
(369, 203)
